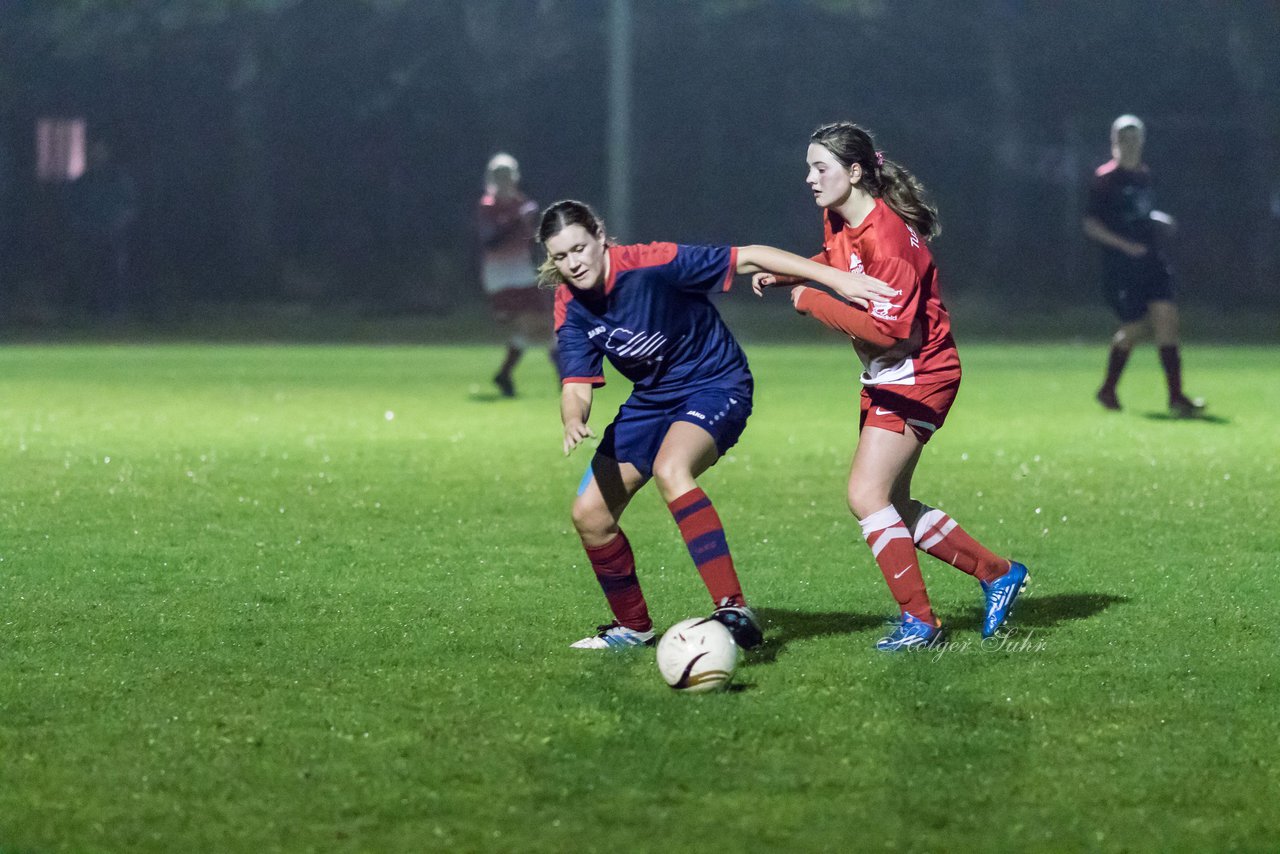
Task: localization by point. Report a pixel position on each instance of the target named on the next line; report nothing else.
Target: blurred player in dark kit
(1136, 279)
(506, 224)
(876, 220)
(646, 309)
(103, 211)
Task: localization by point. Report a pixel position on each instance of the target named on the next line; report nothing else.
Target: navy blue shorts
(1129, 284)
(637, 432)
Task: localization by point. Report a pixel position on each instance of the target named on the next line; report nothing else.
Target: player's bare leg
(686, 452)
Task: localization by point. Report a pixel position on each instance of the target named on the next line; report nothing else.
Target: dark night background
(329, 154)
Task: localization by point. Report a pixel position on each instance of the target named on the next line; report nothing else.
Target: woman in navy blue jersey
(646, 309)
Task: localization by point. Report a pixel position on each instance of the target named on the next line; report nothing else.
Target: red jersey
(507, 227)
(887, 248)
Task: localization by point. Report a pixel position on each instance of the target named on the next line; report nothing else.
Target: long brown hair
(881, 177)
(556, 219)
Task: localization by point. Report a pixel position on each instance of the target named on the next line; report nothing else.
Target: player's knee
(672, 478)
(865, 500)
(591, 518)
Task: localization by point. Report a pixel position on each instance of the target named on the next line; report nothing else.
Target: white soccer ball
(697, 655)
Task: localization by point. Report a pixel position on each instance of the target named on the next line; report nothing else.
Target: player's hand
(575, 433)
(795, 297)
(1136, 250)
(860, 288)
(760, 281)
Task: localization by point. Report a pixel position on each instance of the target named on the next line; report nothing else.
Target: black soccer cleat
(1186, 407)
(741, 622)
(505, 386)
(1107, 397)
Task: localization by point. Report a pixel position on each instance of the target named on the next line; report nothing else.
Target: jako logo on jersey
(696, 414)
(637, 345)
(594, 332)
(855, 263)
(915, 238)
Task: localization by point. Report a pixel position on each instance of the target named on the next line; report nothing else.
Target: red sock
(937, 534)
(615, 568)
(704, 535)
(895, 552)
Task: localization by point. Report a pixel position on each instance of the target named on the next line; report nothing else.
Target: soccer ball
(697, 655)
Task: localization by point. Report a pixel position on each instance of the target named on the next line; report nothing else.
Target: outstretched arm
(829, 311)
(575, 409)
(851, 286)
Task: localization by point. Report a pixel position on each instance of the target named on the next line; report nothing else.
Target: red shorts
(897, 408)
(531, 300)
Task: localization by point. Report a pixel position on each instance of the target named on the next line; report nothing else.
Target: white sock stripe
(887, 536)
(932, 528)
(885, 517)
(939, 535)
(928, 517)
(932, 541)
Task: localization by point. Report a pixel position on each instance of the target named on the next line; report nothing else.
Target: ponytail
(904, 194)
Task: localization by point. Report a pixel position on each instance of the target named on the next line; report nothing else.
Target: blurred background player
(1136, 279)
(506, 223)
(646, 309)
(104, 208)
(876, 221)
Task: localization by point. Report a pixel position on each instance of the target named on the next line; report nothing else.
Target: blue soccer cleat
(911, 633)
(614, 636)
(1000, 596)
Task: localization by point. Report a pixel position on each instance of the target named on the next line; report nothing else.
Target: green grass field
(319, 599)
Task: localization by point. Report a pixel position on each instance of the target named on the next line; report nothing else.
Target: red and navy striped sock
(704, 535)
(615, 568)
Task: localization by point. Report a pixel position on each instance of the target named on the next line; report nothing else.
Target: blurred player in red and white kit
(506, 221)
(877, 222)
(1136, 279)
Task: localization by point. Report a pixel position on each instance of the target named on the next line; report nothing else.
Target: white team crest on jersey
(883, 310)
(855, 263)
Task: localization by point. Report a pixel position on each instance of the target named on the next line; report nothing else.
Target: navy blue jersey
(654, 322)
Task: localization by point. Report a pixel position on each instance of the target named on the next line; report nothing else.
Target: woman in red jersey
(877, 222)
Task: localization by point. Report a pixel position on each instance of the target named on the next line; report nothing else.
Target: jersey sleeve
(894, 317)
(841, 316)
(576, 359)
(702, 269)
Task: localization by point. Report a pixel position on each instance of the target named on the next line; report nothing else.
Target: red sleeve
(850, 320)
